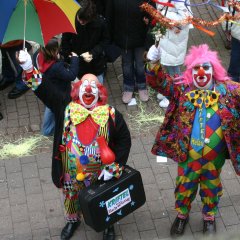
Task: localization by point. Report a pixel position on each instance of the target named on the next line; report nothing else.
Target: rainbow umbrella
(36, 20)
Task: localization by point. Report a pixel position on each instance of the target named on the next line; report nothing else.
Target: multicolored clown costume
(200, 130)
(91, 139)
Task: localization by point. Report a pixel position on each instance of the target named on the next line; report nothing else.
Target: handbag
(104, 203)
(112, 52)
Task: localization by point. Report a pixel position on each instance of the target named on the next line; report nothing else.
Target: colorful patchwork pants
(72, 187)
(204, 170)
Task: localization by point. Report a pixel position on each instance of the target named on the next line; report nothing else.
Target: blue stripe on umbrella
(6, 10)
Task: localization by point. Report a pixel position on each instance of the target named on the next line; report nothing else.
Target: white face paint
(202, 75)
(88, 91)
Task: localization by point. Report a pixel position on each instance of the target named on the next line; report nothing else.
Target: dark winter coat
(93, 38)
(58, 72)
(126, 25)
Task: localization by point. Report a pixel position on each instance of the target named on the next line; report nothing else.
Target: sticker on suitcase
(118, 201)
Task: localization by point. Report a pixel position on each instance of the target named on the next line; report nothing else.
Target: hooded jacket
(173, 45)
(57, 71)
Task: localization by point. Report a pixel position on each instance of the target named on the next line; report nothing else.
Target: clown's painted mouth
(201, 79)
(88, 98)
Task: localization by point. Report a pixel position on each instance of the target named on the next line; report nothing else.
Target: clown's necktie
(79, 114)
(201, 99)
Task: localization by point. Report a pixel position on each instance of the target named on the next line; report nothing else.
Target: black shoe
(15, 93)
(68, 230)
(178, 226)
(4, 83)
(209, 227)
(1, 116)
(109, 233)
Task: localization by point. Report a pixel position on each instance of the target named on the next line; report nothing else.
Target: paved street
(31, 207)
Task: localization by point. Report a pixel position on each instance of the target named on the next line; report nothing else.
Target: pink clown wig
(202, 54)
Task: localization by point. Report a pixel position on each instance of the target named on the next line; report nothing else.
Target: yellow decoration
(80, 177)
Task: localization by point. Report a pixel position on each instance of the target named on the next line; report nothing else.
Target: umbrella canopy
(36, 20)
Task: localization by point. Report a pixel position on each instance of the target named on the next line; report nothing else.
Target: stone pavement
(31, 207)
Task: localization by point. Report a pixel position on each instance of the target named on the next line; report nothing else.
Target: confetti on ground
(145, 118)
(23, 146)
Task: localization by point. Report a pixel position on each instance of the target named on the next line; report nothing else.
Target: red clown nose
(88, 89)
(201, 72)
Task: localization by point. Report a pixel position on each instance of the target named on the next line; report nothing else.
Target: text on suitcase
(118, 201)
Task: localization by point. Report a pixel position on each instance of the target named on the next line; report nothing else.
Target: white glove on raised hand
(25, 60)
(87, 57)
(106, 175)
(154, 53)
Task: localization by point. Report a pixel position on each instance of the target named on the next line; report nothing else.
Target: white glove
(73, 54)
(25, 60)
(87, 57)
(106, 175)
(154, 53)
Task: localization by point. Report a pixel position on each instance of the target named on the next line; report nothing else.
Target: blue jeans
(11, 69)
(172, 70)
(48, 122)
(234, 66)
(100, 78)
(133, 69)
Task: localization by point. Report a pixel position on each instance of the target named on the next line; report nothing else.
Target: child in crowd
(49, 64)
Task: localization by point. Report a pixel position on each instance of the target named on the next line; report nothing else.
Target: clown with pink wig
(91, 139)
(200, 130)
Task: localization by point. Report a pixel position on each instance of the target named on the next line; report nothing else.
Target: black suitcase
(104, 203)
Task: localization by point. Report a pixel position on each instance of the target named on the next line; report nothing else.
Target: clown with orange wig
(200, 130)
(91, 139)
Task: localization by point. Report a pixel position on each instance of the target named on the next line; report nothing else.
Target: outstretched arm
(43, 88)
(155, 75)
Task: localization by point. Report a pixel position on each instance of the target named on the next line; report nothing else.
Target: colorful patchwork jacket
(173, 137)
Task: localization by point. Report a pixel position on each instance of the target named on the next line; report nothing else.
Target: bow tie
(79, 114)
(200, 97)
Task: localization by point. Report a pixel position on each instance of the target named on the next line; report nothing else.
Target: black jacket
(92, 38)
(59, 73)
(126, 25)
(119, 135)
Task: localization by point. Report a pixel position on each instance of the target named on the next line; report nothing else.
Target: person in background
(234, 66)
(89, 42)
(47, 61)
(129, 31)
(11, 71)
(173, 45)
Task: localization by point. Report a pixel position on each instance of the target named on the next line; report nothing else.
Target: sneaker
(127, 96)
(160, 96)
(143, 95)
(164, 103)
